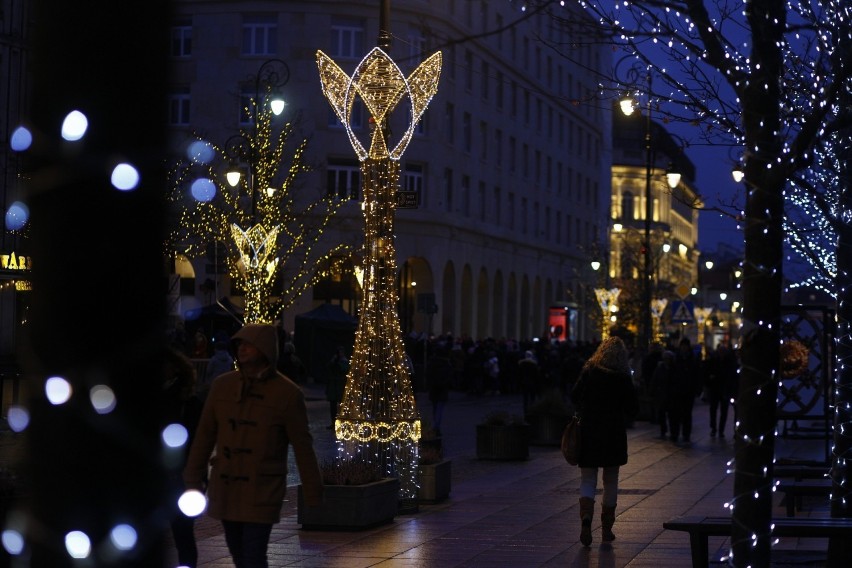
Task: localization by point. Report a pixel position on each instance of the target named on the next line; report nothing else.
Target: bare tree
(767, 77)
(269, 229)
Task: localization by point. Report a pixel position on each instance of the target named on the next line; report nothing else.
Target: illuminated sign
(13, 261)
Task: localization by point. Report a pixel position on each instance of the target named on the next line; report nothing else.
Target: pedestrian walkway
(525, 514)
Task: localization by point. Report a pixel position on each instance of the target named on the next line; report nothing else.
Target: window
(498, 147)
(416, 46)
(483, 201)
(498, 91)
(466, 132)
(412, 180)
(484, 80)
(483, 138)
(448, 190)
(468, 71)
(512, 152)
(526, 107)
(558, 227)
(260, 34)
(499, 26)
(510, 207)
(347, 39)
(498, 212)
(465, 188)
(627, 206)
(450, 60)
(525, 160)
(524, 216)
(181, 43)
(179, 106)
(344, 179)
(513, 95)
(356, 119)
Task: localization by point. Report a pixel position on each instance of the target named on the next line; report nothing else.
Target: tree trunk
(762, 283)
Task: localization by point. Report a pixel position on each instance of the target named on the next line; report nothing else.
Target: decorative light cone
(378, 417)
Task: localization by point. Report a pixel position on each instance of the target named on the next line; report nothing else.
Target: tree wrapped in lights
(271, 230)
(768, 77)
(378, 418)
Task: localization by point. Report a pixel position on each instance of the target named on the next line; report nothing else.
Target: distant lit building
(510, 163)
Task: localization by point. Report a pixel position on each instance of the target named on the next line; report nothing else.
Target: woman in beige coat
(250, 418)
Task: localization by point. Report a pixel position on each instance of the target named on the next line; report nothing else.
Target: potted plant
(356, 496)
(502, 436)
(434, 475)
(547, 417)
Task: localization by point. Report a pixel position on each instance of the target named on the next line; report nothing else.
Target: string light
(378, 419)
(275, 237)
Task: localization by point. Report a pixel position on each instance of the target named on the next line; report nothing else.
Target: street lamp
(269, 81)
(628, 105)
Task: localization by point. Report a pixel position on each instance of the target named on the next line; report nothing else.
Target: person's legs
(608, 502)
(247, 543)
(723, 415)
(588, 488)
(713, 401)
(686, 420)
(184, 537)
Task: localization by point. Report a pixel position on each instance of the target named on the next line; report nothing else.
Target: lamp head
(737, 173)
(233, 174)
(672, 176)
(627, 105)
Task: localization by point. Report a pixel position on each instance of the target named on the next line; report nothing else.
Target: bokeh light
(17, 216)
(21, 139)
(18, 418)
(102, 398)
(58, 390)
(123, 537)
(200, 152)
(175, 435)
(192, 503)
(78, 544)
(203, 189)
(74, 126)
(13, 541)
(125, 177)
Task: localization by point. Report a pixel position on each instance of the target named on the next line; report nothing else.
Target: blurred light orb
(203, 189)
(13, 541)
(175, 435)
(192, 503)
(58, 390)
(18, 418)
(17, 216)
(123, 537)
(77, 544)
(200, 152)
(125, 177)
(74, 126)
(21, 139)
(102, 398)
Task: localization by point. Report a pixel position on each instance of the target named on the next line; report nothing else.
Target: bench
(799, 472)
(795, 490)
(701, 528)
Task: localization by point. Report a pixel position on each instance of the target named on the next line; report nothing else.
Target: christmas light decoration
(607, 300)
(658, 306)
(378, 419)
(267, 229)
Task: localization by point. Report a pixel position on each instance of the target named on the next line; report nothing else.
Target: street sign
(406, 199)
(683, 311)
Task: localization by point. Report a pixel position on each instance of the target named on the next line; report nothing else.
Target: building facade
(510, 163)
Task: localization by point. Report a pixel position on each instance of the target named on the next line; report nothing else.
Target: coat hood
(262, 336)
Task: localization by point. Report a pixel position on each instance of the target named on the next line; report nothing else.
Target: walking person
(250, 418)
(721, 378)
(685, 386)
(606, 399)
(181, 406)
(659, 390)
(530, 378)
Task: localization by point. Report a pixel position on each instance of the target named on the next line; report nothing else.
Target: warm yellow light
(617, 227)
(233, 176)
(627, 105)
(737, 173)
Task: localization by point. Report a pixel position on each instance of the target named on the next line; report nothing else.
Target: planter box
(434, 480)
(546, 429)
(351, 507)
(509, 442)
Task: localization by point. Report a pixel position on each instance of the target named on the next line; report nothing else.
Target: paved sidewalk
(525, 514)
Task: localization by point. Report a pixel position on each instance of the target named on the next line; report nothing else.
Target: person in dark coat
(685, 386)
(659, 390)
(250, 419)
(607, 402)
(530, 378)
(721, 378)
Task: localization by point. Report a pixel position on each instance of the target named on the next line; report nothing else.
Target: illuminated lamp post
(378, 420)
(628, 105)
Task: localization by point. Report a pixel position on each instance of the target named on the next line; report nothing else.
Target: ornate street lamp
(628, 105)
